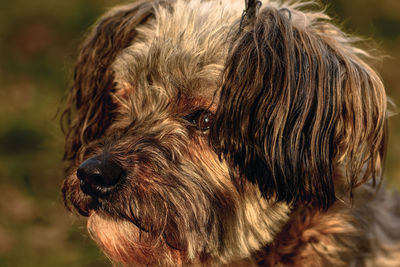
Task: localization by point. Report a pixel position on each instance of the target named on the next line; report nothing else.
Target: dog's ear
(298, 104)
(90, 106)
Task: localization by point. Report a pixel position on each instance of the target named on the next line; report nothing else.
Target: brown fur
(239, 144)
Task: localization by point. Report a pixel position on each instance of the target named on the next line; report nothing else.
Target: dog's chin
(124, 242)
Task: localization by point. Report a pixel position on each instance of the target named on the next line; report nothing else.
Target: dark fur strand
(295, 101)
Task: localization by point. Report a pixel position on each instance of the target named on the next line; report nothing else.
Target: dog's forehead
(182, 49)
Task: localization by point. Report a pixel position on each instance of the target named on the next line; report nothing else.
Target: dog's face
(174, 113)
(154, 190)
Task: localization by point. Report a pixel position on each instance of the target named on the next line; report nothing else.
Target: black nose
(99, 175)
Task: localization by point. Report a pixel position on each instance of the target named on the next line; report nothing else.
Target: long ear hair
(298, 104)
(90, 108)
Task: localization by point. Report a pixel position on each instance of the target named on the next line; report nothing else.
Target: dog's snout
(99, 175)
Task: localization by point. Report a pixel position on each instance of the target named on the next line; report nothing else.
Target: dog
(218, 133)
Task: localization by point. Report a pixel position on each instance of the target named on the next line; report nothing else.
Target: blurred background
(38, 45)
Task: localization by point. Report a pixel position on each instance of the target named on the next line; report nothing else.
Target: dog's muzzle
(99, 176)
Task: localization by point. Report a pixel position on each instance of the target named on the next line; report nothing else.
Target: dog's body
(201, 138)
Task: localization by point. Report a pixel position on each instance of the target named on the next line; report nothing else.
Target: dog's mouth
(87, 203)
(149, 232)
(99, 211)
(129, 211)
(106, 209)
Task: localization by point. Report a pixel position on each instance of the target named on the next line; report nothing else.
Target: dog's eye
(202, 119)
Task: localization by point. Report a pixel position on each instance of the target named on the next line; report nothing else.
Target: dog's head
(190, 138)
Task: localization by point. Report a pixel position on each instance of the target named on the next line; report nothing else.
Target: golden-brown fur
(195, 141)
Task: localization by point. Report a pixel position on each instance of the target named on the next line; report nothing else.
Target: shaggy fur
(199, 138)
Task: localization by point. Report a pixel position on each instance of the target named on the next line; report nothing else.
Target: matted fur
(297, 122)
